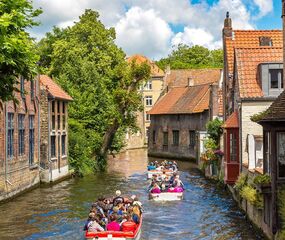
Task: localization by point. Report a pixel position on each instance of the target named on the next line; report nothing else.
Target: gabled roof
(180, 78)
(139, 59)
(53, 89)
(248, 61)
(183, 100)
(249, 39)
(232, 121)
(276, 112)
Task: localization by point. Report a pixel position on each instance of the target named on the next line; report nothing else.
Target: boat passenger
(178, 183)
(155, 189)
(136, 214)
(172, 178)
(93, 225)
(118, 199)
(113, 225)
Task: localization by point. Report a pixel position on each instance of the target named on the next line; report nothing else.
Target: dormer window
(272, 79)
(276, 78)
(265, 41)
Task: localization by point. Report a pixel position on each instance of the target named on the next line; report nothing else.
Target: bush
(250, 194)
(214, 129)
(241, 181)
(262, 179)
(281, 208)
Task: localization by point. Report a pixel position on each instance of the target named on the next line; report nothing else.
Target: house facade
(19, 140)
(54, 130)
(151, 91)
(253, 65)
(178, 121)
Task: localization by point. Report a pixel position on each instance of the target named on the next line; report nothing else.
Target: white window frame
(148, 101)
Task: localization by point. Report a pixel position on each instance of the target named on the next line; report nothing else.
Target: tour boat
(132, 232)
(166, 196)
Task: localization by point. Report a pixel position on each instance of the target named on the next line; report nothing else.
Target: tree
(92, 69)
(17, 51)
(185, 57)
(214, 129)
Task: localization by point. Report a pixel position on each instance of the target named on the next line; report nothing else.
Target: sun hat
(118, 193)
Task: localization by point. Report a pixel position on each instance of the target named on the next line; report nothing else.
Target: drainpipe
(39, 122)
(49, 153)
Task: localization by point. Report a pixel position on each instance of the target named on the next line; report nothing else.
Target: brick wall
(183, 123)
(17, 173)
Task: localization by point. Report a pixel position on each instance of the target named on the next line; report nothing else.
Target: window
(148, 85)
(53, 122)
(63, 141)
(63, 122)
(58, 122)
(10, 144)
(276, 78)
(265, 41)
(165, 138)
(175, 134)
(32, 90)
(148, 100)
(58, 107)
(267, 153)
(21, 134)
(63, 107)
(153, 137)
(52, 147)
(31, 139)
(281, 154)
(52, 106)
(233, 148)
(147, 117)
(192, 138)
(22, 86)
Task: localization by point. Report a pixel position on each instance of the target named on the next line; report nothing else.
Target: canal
(59, 211)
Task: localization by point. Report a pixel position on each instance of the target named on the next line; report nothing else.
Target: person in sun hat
(118, 199)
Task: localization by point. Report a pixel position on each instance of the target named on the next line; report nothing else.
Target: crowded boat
(117, 217)
(155, 168)
(165, 185)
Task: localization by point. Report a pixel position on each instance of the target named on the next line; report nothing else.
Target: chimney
(190, 82)
(283, 21)
(227, 30)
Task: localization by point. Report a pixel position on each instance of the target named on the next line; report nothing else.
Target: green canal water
(59, 211)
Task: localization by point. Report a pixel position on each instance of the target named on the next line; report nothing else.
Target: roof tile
(232, 121)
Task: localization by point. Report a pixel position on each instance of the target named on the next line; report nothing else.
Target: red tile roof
(54, 89)
(232, 121)
(248, 61)
(249, 39)
(183, 100)
(179, 78)
(139, 59)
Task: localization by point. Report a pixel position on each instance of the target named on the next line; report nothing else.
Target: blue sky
(154, 27)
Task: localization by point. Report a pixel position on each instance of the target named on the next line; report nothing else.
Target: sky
(154, 27)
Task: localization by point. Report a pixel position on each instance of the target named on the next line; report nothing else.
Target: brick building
(19, 140)
(54, 130)
(178, 120)
(253, 65)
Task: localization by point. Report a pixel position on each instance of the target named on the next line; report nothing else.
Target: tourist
(155, 189)
(118, 199)
(136, 214)
(113, 225)
(92, 224)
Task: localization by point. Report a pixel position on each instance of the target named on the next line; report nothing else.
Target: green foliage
(214, 129)
(241, 181)
(185, 57)
(86, 62)
(250, 194)
(17, 51)
(262, 179)
(259, 116)
(210, 144)
(281, 210)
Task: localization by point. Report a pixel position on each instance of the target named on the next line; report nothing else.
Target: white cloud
(143, 32)
(264, 6)
(196, 36)
(144, 25)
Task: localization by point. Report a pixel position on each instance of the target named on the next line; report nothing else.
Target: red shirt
(113, 226)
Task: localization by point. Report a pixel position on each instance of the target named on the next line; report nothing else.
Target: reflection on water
(59, 211)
